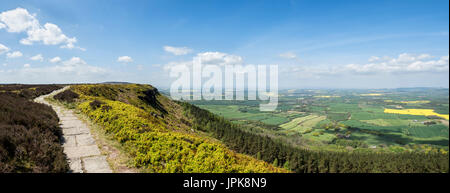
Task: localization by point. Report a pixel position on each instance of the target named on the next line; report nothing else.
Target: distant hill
(113, 82)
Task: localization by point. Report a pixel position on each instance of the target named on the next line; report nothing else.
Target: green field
(309, 118)
(235, 112)
(302, 124)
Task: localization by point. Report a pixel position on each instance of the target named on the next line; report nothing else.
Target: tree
(286, 165)
(275, 162)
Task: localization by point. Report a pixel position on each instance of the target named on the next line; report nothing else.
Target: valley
(392, 120)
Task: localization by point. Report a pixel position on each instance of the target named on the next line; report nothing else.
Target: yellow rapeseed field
(326, 96)
(372, 94)
(415, 102)
(424, 112)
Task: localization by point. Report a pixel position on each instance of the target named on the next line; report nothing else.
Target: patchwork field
(235, 112)
(303, 124)
(390, 118)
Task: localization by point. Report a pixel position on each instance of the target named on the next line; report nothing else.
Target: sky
(315, 43)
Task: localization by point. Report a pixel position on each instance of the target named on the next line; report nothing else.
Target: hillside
(162, 135)
(155, 132)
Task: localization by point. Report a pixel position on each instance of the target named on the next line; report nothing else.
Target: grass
(429, 131)
(320, 135)
(236, 112)
(336, 116)
(303, 124)
(394, 122)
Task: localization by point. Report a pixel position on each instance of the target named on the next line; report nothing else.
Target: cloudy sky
(317, 44)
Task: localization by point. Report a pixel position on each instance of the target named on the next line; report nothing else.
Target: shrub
(66, 96)
(29, 91)
(95, 104)
(29, 137)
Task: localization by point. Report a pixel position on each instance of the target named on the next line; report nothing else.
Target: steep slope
(155, 132)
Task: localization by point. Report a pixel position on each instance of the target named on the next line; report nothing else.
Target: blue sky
(317, 44)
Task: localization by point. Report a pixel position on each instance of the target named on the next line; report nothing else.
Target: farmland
(424, 112)
(413, 119)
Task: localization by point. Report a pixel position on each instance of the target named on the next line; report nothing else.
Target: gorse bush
(29, 135)
(154, 142)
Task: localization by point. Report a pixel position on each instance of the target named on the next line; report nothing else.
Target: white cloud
(405, 57)
(55, 59)
(207, 58)
(177, 50)
(374, 58)
(73, 67)
(405, 63)
(219, 58)
(15, 54)
(76, 65)
(124, 59)
(74, 70)
(172, 65)
(288, 55)
(3, 49)
(19, 20)
(26, 65)
(37, 58)
(49, 34)
(424, 56)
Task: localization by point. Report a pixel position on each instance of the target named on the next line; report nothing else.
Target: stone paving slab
(69, 141)
(84, 140)
(79, 145)
(81, 151)
(75, 131)
(84, 130)
(96, 164)
(75, 165)
(71, 123)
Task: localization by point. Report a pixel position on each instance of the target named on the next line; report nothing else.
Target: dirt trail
(79, 145)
